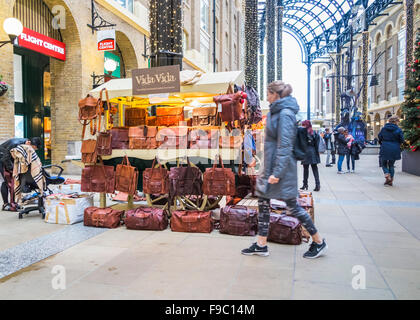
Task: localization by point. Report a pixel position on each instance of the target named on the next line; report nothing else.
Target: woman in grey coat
(279, 178)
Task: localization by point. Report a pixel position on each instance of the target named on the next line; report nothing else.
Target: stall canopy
(210, 84)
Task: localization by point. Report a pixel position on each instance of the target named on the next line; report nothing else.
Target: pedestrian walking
(390, 138)
(312, 157)
(329, 144)
(279, 177)
(342, 148)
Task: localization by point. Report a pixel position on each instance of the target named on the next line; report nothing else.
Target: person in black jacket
(6, 168)
(312, 157)
(329, 144)
(342, 148)
(390, 138)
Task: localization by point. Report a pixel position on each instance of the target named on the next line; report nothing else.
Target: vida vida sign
(156, 80)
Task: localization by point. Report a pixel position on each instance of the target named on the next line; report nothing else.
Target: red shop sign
(38, 42)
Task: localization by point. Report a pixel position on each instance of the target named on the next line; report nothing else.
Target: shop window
(401, 70)
(127, 4)
(390, 74)
(390, 52)
(401, 46)
(205, 15)
(19, 126)
(18, 78)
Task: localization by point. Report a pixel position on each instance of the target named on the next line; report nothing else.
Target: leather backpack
(284, 229)
(192, 221)
(143, 137)
(205, 116)
(89, 108)
(219, 181)
(135, 117)
(119, 138)
(231, 106)
(145, 218)
(104, 144)
(89, 151)
(169, 116)
(126, 177)
(98, 178)
(156, 180)
(239, 221)
(185, 181)
(102, 217)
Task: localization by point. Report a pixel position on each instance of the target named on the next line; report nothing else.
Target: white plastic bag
(67, 211)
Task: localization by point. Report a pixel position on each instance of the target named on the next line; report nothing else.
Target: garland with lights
(166, 23)
(411, 105)
(271, 40)
(251, 43)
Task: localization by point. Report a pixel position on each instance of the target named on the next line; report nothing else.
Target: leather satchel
(89, 108)
(119, 138)
(169, 116)
(89, 151)
(145, 218)
(135, 117)
(156, 180)
(104, 144)
(192, 221)
(231, 106)
(102, 218)
(185, 181)
(173, 138)
(98, 178)
(204, 139)
(126, 177)
(239, 221)
(219, 181)
(143, 137)
(204, 116)
(284, 229)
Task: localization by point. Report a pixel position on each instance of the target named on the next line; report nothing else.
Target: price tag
(219, 106)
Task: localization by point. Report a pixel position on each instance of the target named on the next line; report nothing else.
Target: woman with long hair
(279, 177)
(312, 157)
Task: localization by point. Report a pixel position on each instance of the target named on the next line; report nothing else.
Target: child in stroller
(28, 184)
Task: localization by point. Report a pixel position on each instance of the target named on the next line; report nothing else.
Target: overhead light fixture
(110, 66)
(14, 28)
(377, 123)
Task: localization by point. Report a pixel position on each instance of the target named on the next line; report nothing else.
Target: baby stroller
(29, 186)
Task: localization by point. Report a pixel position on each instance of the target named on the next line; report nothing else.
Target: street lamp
(110, 66)
(13, 27)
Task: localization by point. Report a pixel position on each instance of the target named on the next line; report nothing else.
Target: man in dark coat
(312, 157)
(329, 145)
(342, 148)
(390, 138)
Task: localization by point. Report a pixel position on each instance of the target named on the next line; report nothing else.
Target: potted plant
(411, 111)
(3, 86)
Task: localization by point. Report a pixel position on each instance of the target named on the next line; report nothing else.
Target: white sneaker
(341, 172)
(352, 171)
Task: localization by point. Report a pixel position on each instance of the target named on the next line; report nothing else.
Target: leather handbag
(185, 181)
(126, 177)
(204, 139)
(204, 116)
(89, 151)
(169, 116)
(239, 221)
(119, 138)
(192, 221)
(284, 229)
(104, 144)
(143, 137)
(98, 178)
(135, 117)
(219, 181)
(156, 180)
(307, 203)
(231, 105)
(145, 218)
(102, 218)
(173, 138)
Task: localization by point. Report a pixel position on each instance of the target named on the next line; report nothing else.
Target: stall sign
(106, 40)
(156, 80)
(35, 41)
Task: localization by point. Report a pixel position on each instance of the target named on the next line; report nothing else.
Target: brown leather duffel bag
(145, 218)
(239, 221)
(284, 229)
(185, 181)
(102, 218)
(119, 138)
(173, 138)
(126, 177)
(169, 116)
(191, 221)
(143, 137)
(204, 116)
(104, 144)
(98, 178)
(219, 181)
(156, 180)
(135, 117)
(89, 151)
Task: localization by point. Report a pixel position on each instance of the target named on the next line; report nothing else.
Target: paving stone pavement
(370, 229)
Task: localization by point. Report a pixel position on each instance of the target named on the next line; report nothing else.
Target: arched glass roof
(320, 25)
